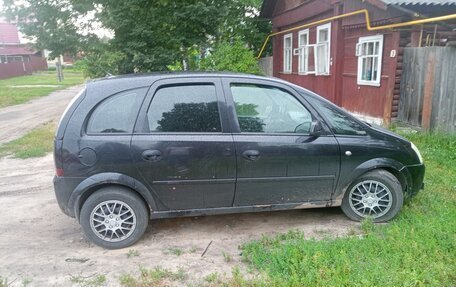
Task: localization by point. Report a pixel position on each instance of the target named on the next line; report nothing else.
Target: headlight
(417, 152)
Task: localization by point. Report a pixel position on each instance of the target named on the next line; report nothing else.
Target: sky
(98, 29)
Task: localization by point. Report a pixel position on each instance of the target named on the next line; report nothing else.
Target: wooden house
(358, 69)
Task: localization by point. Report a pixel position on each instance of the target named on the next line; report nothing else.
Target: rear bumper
(415, 183)
(63, 187)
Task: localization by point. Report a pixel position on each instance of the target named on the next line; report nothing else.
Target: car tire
(376, 194)
(114, 217)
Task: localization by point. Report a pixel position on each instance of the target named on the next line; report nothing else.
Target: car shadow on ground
(310, 221)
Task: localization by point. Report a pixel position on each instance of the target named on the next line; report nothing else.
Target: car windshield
(341, 121)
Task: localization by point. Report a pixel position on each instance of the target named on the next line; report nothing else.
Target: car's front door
(278, 160)
(179, 146)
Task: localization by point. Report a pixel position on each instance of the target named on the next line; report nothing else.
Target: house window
(303, 51)
(314, 58)
(369, 52)
(322, 49)
(287, 52)
(15, 59)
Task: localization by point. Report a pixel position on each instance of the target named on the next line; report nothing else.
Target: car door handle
(152, 155)
(251, 154)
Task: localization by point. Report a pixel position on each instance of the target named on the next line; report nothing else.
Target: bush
(78, 65)
(100, 62)
(231, 57)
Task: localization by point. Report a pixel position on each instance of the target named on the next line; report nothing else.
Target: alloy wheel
(113, 220)
(370, 198)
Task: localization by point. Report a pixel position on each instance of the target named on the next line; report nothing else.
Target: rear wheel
(114, 217)
(376, 194)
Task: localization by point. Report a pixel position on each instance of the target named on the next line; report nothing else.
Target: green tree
(100, 60)
(231, 56)
(242, 22)
(149, 35)
(52, 24)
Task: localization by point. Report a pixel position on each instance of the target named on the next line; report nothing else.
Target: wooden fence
(14, 69)
(428, 88)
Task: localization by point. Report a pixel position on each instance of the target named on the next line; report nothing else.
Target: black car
(133, 148)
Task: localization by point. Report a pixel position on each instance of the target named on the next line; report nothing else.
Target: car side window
(342, 123)
(266, 109)
(184, 108)
(116, 114)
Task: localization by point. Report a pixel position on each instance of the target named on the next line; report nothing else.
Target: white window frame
(303, 52)
(287, 62)
(361, 56)
(328, 47)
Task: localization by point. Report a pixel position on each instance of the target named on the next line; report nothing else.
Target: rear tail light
(59, 171)
(58, 157)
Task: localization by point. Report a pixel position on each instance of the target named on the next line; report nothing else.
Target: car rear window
(116, 114)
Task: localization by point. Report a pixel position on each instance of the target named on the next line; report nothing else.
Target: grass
(415, 249)
(10, 95)
(132, 253)
(174, 251)
(226, 257)
(26, 281)
(94, 280)
(160, 277)
(153, 277)
(3, 282)
(212, 278)
(36, 143)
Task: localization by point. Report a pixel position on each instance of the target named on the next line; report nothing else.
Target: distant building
(17, 59)
(64, 59)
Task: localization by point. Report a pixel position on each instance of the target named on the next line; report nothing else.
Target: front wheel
(376, 194)
(114, 217)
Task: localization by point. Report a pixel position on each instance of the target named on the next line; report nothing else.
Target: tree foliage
(100, 60)
(148, 35)
(231, 56)
(52, 24)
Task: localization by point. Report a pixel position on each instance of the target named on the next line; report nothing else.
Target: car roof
(151, 77)
(105, 87)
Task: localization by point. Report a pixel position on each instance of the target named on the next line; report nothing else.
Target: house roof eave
(267, 9)
(419, 2)
(377, 3)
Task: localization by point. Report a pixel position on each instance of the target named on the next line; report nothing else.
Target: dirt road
(16, 121)
(40, 245)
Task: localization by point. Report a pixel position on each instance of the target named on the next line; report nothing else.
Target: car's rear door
(278, 161)
(180, 148)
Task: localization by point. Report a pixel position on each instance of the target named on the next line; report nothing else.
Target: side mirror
(316, 129)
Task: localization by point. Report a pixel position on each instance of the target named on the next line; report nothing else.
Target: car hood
(389, 133)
